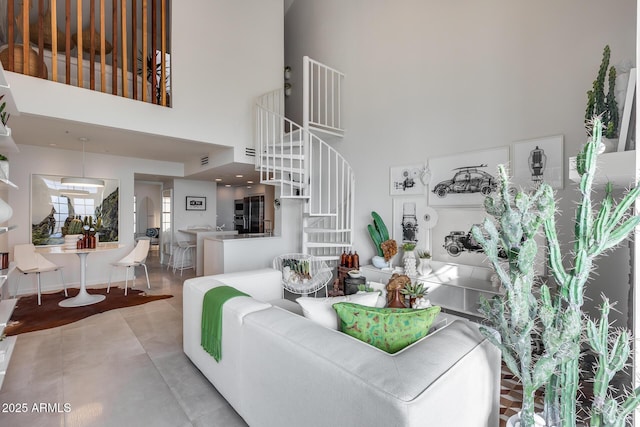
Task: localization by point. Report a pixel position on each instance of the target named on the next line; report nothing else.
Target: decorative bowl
(354, 273)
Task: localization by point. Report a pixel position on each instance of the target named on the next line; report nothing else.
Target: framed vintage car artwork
(465, 179)
(453, 242)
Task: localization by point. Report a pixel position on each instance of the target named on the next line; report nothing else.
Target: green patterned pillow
(389, 329)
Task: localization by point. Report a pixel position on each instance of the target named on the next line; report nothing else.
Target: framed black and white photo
(196, 203)
(465, 179)
(538, 160)
(407, 220)
(408, 180)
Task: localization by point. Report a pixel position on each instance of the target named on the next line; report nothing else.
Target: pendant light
(82, 181)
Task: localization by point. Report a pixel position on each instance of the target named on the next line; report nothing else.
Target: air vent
(204, 160)
(251, 152)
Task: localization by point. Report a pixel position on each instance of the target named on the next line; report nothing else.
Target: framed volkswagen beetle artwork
(465, 179)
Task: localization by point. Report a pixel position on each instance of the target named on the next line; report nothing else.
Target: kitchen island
(200, 234)
(232, 253)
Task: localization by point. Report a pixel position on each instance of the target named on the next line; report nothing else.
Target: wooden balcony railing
(112, 46)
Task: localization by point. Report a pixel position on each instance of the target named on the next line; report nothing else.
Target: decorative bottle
(356, 261)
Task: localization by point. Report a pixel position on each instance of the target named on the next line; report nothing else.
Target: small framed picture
(538, 160)
(408, 180)
(196, 203)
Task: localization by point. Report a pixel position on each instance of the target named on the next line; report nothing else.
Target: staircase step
(328, 245)
(327, 257)
(329, 215)
(282, 156)
(285, 145)
(326, 230)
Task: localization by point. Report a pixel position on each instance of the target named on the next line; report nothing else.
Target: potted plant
(4, 167)
(423, 267)
(386, 248)
(413, 291)
(409, 259)
(604, 106)
(524, 317)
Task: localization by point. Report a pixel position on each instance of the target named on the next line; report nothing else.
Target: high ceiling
(62, 134)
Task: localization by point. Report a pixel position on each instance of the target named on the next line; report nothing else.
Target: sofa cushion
(320, 310)
(389, 329)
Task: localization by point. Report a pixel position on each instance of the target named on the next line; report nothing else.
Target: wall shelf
(7, 144)
(619, 168)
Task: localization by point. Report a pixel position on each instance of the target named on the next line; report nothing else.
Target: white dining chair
(28, 261)
(135, 258)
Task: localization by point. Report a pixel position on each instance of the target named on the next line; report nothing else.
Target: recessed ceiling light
(227, 185)
(249, 182)
(218, 179)
(239, 176)
(248, 186)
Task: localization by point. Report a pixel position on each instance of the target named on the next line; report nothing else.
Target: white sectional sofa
(281, 369)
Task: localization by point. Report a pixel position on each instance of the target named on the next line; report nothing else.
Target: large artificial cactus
(516, 221)
(556, 318)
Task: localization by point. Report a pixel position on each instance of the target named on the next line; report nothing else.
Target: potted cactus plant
(524, 316)
(4, 167)
(604, 106)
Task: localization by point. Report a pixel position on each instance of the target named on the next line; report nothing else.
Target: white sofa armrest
(264, 284)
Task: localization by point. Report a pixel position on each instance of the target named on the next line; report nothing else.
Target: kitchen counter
(240, 236)
(241, 252)
(201, 234)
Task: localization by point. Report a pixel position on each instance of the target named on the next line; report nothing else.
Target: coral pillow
(389, 329)
(320, 310)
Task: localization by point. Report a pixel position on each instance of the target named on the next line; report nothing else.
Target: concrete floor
(121, 368)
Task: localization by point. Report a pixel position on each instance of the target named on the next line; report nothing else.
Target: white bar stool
(179, 260)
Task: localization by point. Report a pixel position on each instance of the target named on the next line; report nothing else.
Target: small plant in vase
(413, 291)
(409, 259)
(423, 267)
(4, 167)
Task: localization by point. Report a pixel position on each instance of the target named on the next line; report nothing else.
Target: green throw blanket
(214, 299)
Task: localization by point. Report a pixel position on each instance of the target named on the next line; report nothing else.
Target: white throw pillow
(320, 310)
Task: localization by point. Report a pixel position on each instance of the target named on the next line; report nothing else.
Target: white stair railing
(322, 97)
(304, 166)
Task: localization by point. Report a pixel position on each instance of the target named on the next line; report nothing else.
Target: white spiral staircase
(303, 166)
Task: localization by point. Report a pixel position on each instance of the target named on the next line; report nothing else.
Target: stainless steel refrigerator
(253, 214)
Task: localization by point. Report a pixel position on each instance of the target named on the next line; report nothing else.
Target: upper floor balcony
(111, 46)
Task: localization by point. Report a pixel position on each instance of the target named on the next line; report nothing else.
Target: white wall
(426, 79)
(148, 205)
(40, 160)
(225, 53)
(182, 218)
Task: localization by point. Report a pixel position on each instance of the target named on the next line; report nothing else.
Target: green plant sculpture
(378, 232)
(555, 319)
(605, 107)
